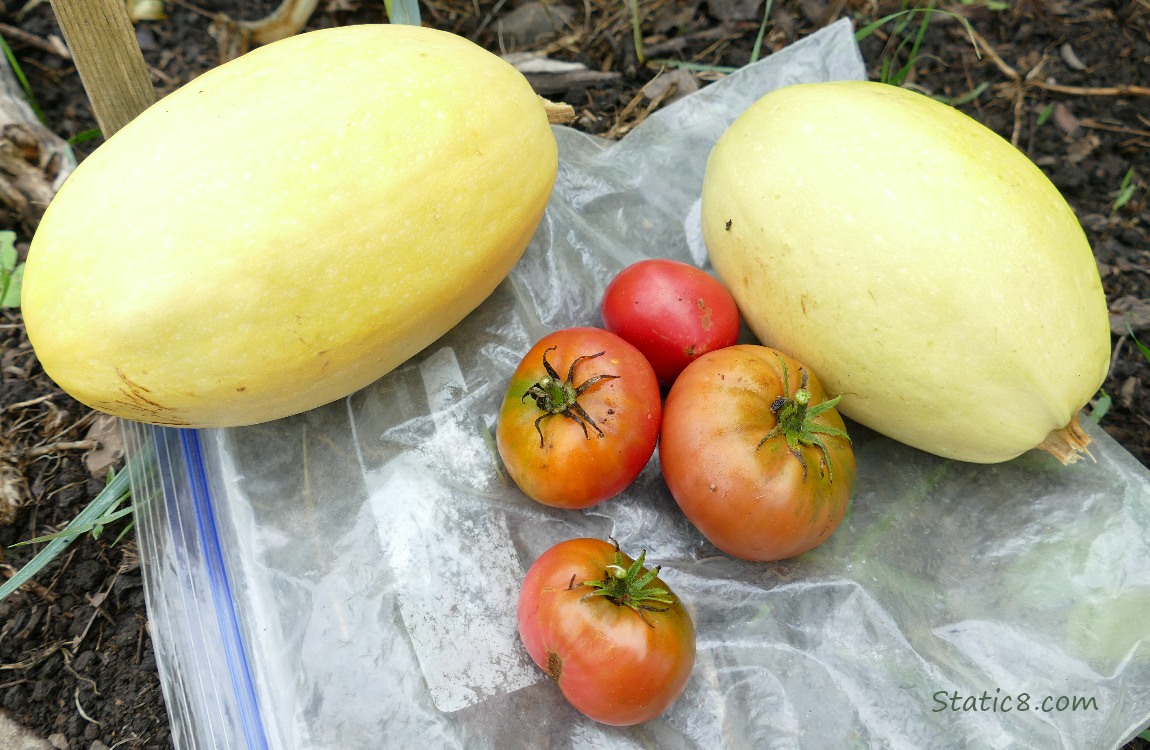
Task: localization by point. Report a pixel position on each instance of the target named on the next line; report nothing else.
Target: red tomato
(613, 636)
(580, 418)
(754, 453)
(670, 311)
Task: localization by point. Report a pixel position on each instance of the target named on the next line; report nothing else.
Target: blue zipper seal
(231, 637)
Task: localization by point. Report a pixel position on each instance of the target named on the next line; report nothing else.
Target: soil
(1060, 78)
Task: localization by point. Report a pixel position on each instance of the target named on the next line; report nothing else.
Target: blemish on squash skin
(150, 413)
(135, 393)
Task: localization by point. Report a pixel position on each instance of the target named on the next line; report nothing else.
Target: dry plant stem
(1020, 83)
(63, 445)
(34, 161)
(287, 20)
(109, 60)
(30, 402)
(52, 45)
(1067, 444)
(1123, 90)
(1014, 75)
(558, 113)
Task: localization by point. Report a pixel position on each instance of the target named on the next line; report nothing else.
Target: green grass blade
(128, 527)
(688, 65)
(912, 57)
(109, 497)
(403, 11)
(90, 134)
(72, 530)
(636, 32)
(762, 32)
(873, 26)
(971, 95)
(10, 56)
(1141, 347)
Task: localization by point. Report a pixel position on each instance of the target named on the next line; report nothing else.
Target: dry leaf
(1066, 120)
(1070, 57)
(1129, 310)
(105, 431)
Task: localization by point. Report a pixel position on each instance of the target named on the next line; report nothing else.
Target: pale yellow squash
(288, 227)
(922, 266)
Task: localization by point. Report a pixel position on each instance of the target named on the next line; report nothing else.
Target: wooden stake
(108, 58)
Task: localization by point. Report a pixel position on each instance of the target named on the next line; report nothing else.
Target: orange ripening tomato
(580, 418)
(755, 454)
(612, 635)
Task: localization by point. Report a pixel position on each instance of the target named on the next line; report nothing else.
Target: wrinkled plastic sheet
(347, 578)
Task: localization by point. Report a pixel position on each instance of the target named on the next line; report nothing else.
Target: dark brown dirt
(1056, 77)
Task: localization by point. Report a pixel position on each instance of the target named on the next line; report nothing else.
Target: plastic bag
(347, 578)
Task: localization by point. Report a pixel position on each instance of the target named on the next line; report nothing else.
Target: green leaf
(10, 283)
(1101, 405)
(7, 250)
(1125, 191)
(403, 11)
(11, 272)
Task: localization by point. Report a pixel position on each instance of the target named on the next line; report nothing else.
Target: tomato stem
(796, 422)
(630, 586)
(554, 395)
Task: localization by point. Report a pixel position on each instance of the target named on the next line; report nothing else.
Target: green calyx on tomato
(628, 587)
(553, 395)
(796, 422)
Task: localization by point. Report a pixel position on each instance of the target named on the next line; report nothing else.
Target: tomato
(672, 312)
(754, 454)
(615, 638)
(580, 418)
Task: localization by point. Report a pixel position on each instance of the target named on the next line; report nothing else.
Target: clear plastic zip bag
(347, 578)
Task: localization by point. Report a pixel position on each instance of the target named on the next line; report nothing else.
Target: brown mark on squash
(727, 226)
(148, 409)
(135, 393)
